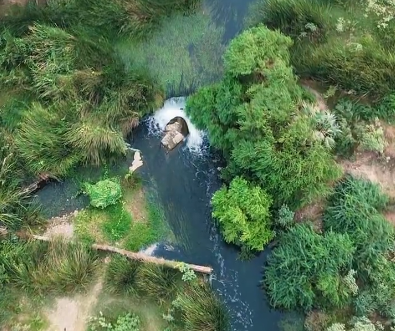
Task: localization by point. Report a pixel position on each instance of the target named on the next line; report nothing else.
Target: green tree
(253, 116)
(307, 269)
(242, 211)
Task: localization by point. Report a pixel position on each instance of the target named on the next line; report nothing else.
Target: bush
(104, 193)
(242, 211)
(254, 117)
(285, 218)
(307, 269)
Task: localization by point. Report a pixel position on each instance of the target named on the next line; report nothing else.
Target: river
(185, 180)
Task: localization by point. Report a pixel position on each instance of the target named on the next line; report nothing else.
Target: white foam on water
(172, 108)
(150, 250)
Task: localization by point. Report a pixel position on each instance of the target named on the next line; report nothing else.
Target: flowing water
(184, 181)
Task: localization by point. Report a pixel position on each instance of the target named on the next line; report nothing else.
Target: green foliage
(354, 209)
(372, 138)
(40, 141)
(121, 275)
(200, 309)
(104, 193)
(243, 214)
(285, 217)
(157, 282)
(254, 117)
(57, 267)
(306, 270)
(336, 41)
(127, 322)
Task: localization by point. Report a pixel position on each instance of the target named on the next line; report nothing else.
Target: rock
(172, 139)
(175, 132)
(137, 161)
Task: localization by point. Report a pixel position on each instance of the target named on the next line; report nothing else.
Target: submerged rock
(175, 132)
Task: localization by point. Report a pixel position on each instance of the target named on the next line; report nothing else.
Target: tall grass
(200, 309)
(54, 267)
(121, 276)
(158, 282)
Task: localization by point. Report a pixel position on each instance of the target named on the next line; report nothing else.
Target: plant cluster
(268, 134)
(348, 267)
(127, 322)
(243, 214)
(344, 43)
(193, 304)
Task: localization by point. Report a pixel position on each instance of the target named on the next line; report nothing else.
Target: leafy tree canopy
(242, 211)
(255, 116)
(104, 193)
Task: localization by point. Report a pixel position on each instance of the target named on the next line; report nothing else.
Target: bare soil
(72, 314)
(61, 226)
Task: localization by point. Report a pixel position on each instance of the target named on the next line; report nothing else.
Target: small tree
(242, 211)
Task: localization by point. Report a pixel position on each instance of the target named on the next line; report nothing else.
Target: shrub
(354, 210)
(372, 138)
(253, 116)
(104, 193)
(242, 211)
(285, 217)
(306, 270)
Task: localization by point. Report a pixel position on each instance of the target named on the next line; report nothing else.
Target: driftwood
(142, 257)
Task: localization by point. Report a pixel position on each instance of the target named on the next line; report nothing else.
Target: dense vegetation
(258, 118)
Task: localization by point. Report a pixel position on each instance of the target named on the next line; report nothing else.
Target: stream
(184, 181)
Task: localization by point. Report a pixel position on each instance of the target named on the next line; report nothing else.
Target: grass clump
(158, 282)
(121, 276)
(56, 267)
(200, 309)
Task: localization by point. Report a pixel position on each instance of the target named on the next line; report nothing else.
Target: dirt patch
(61, 226)
(136, 204)
(313, 213)
(72, 314)
(372, 167)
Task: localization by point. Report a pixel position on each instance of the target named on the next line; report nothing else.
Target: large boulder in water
(175, 132)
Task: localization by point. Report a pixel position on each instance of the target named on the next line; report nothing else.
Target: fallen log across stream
(142, 257)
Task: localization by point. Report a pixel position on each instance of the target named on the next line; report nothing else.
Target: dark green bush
(253, 116)
(307, 268)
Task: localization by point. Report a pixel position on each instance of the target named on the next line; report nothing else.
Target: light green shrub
(104, 193)
(242, 211)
